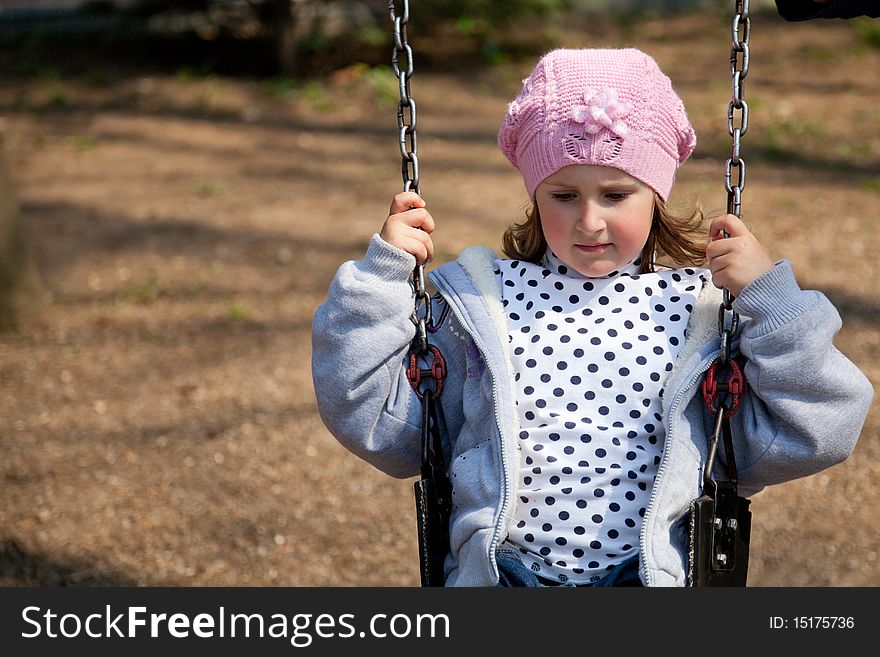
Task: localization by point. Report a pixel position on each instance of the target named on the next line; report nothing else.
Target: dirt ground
(157, 420)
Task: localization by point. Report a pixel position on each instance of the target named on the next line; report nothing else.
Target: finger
(733, 226)
(405, 201)
(420, 245)
(416, 218)
(402, 234)
(428, 223)
(720, 247)
(722, 263)
(720, 275)
(429, 249)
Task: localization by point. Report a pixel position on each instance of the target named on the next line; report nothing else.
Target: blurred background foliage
(310, 37)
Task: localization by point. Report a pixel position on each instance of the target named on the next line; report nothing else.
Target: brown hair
(676, 237)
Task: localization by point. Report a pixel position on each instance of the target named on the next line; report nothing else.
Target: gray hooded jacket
(803, 410)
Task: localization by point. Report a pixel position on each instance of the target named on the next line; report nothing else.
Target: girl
(576, 431)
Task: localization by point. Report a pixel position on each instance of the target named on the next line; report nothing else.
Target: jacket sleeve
(806, 402)
(802, 10)
(360, 337)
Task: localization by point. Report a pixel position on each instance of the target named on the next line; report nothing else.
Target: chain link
(737, 126)
(402, 64)
(738, 108)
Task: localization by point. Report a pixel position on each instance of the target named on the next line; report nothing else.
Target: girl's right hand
(409, 225)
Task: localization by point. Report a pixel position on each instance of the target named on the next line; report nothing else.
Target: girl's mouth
(592, 248)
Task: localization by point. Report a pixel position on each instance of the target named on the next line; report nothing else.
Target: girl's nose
(590, 220)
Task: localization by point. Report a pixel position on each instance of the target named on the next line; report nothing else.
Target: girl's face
(596, 219)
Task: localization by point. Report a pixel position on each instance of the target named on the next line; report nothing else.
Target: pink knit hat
(610, 107)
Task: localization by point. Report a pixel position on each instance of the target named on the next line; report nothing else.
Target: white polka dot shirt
(590, 359)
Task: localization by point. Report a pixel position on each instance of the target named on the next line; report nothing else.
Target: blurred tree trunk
(21, 291)
(282, 20)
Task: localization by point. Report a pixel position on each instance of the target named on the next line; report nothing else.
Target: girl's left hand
(737, 260)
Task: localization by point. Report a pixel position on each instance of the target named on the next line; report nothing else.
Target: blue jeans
(512, 572)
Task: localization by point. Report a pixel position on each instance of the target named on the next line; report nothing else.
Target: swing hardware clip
(415, 374)
(734, 386)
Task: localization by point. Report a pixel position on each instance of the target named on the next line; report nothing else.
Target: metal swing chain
(402, 63)
(721, 389)
(737, 112)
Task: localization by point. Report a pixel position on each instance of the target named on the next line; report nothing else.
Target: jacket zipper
(643, 545)
(505, 482)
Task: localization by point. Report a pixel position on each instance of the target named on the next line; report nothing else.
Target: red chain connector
(415, 374)
(735, 386)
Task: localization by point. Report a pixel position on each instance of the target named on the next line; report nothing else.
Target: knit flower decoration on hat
(603, 110)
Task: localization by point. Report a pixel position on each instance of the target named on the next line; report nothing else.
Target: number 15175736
(812, 623)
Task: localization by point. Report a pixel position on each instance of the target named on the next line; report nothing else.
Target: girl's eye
(616, 196)
(563, 196)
